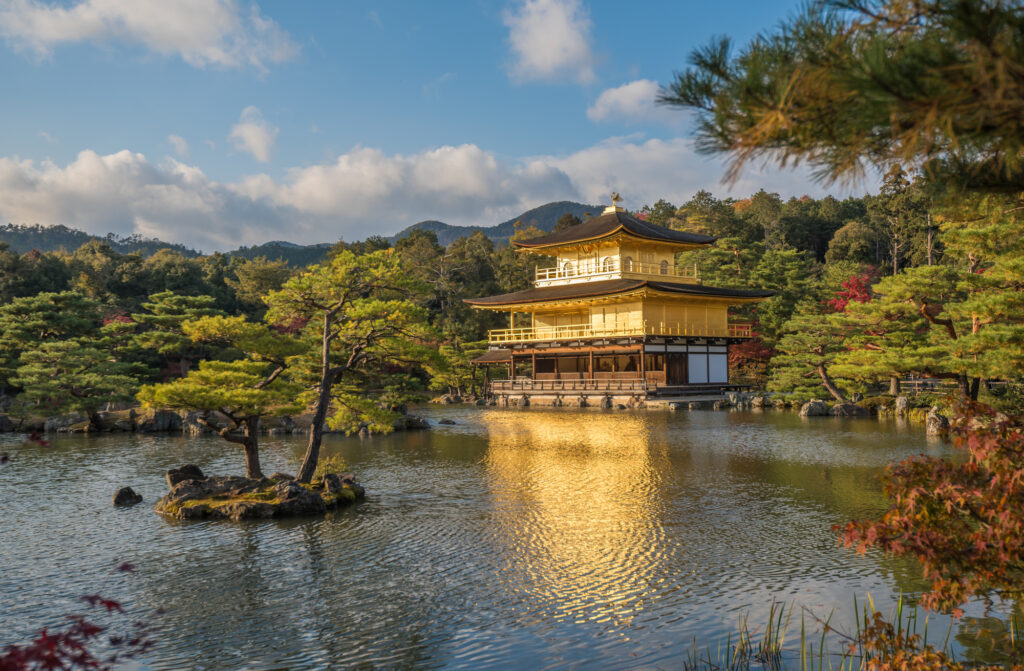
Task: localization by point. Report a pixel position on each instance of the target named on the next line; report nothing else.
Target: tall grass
(822, 647)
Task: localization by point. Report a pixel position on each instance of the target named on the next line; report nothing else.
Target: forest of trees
(869, 290)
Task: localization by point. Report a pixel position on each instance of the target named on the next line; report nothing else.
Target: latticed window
(606, 264)
(664, 267)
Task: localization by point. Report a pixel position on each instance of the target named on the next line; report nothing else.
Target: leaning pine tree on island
(242, 391)
(355, 315)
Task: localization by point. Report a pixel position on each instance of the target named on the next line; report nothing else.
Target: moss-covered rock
(237, 498)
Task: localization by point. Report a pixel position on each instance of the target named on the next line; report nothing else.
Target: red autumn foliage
(856, 289)
(70, 648)
(118, 318)
(962, 520)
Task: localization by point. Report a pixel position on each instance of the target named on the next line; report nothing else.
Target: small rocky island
(193, 495)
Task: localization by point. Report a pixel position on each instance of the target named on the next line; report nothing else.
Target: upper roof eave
(610, 224)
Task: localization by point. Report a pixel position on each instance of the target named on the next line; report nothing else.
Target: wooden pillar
(533, 366)
(664, 365)
(511, 320)
(643, 369)
(590, 365)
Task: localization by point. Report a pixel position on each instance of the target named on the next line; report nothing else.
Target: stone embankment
(899, 407)
(139, 420)
(193, 495)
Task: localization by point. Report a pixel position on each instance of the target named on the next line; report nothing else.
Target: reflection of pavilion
(582, 508)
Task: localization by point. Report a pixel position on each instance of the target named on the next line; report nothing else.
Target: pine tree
(73, 376)
(161, 327)
(243, 391)
(849, 84)
(809, 346)
(357, 320)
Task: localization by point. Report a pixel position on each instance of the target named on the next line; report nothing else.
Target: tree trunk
(968, 386)
(829, 385)
(931, 235)
(251, 445)
(894, 385)
(323, 400)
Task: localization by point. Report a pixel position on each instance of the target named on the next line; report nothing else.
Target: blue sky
(217, 123)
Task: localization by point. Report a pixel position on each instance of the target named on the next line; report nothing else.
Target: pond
(533, 538)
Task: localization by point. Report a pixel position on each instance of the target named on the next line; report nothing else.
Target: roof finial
(616, 199)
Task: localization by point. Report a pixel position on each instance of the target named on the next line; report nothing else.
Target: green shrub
(332, 464)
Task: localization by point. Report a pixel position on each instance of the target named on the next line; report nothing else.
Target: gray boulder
(158, 421)
(126, 496)
(814, 408)
(410, 423)
(902, 406)
(849, 410)
(65, 423)
(294, 499)
(183, 473)
(935, 424)
(446, 421)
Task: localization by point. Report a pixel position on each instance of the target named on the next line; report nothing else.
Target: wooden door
(676, 363)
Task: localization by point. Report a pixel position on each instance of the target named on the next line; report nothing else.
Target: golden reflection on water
(579, 497)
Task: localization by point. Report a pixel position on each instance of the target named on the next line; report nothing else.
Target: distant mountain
(56, 238)
(278, 250)
(544, 218)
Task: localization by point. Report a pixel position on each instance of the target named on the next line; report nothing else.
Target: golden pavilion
(614, 317)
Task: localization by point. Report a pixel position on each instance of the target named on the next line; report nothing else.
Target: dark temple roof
(610, 223)
(610, 288)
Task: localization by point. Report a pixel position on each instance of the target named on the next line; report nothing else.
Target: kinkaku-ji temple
(614, 320)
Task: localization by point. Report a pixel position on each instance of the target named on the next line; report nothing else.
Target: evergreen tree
(72, 375)
(243, 391)
(809, 345)
(852, 83)
(162, 326)
(358, 322)
(26, 323)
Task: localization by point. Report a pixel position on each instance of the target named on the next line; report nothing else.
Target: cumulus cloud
(179, 143)
(200, 32)
(253, 134)
(550, 40)
(360, 193)
(635, 102)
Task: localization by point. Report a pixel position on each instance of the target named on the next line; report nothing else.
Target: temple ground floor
(619, 370)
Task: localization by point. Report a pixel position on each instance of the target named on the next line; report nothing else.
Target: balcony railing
(612, 266)
(583, 331)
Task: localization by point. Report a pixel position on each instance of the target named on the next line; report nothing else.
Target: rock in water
(814, 408)
(294, 499)
(849, 410)
(936, 424)
(446, 421)
(182, 473)
(126, 496)
(902, 406)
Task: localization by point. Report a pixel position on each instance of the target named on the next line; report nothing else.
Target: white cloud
(46, 136)
(635, 101)
(201, 32)
(361, 193)
(179, 143)
(550, 40)
(253, 134)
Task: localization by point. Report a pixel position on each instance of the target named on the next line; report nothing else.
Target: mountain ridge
(25, 238)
